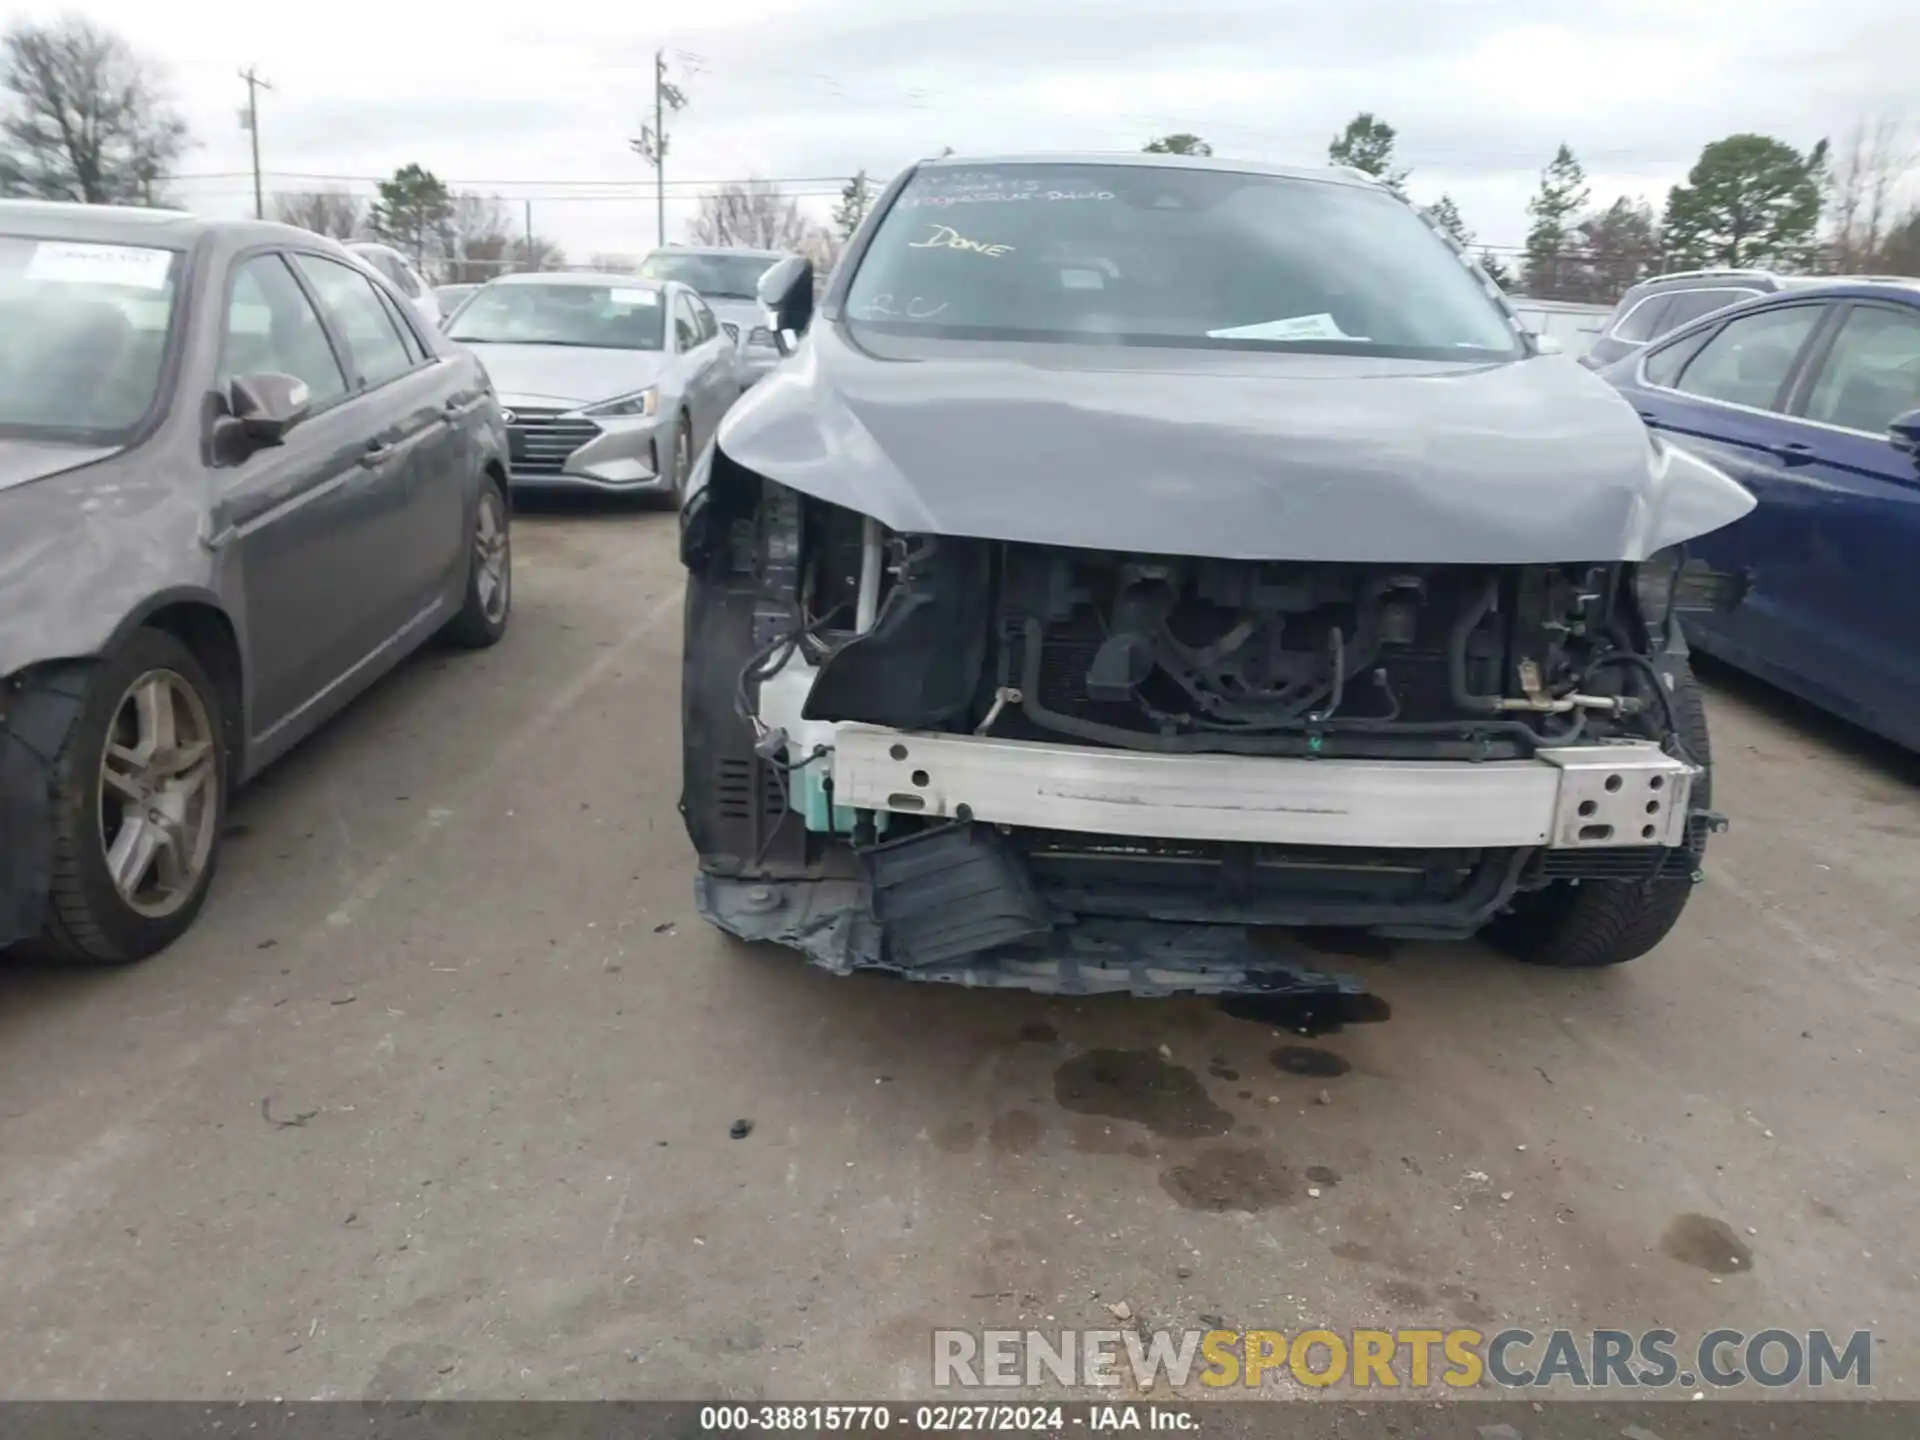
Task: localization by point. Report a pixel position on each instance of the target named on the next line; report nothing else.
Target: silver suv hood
(1237, 454)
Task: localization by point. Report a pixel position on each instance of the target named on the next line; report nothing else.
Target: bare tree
(1901, 253)
(538, 253)
(83, 116)
(754, 215)
(333, 213)
(1863, 180)
(822, 246)
(476, 238)
(1612, 249)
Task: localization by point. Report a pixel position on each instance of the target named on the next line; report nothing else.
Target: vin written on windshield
(1157, 255)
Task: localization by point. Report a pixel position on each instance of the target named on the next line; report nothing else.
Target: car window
(709, 327)
(1749, 358)
(404, 277)
(379, 354)
(1641, 321)
(1872, 373)
(686, 329)
(1664, 365)
(1690, 305)
(732, 276)
(563, 312)
(1059, 252)
(396, 312)
(272, 328)
(83, 336)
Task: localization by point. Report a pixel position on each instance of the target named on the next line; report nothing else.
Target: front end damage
(999, 763)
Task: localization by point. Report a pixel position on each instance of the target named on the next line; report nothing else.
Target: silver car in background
(725, 278)
(400, 271)
(607, 382)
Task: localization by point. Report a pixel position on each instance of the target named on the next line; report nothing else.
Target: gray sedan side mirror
(786, 290)
(268, 405)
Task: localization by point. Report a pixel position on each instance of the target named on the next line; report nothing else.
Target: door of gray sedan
(411, 397)
(314, 520)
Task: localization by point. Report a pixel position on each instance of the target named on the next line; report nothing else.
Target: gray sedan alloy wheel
(493, 574)
(159, 809)
(482, 617)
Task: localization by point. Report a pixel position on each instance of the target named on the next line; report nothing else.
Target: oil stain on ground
(1138, 1085)
(1310, 1060)
(1014, 1132)
(1038, 1032)
(1466, 1305)
(1402, 1293)
(956, 1137)
(1228, 1179)
(1091, 1137)
(1708, 1243)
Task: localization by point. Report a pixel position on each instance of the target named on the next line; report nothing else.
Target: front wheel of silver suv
(1609, 922)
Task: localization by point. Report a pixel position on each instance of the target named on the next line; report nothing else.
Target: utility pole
(529, 205)
(251, 120)
(652, 142)
(660, 165)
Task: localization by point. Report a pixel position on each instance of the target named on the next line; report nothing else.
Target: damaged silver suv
(1136, 553)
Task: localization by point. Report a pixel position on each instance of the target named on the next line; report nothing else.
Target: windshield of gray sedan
(83, 336)
(724, 277)
(1156, 255)
(596, 317)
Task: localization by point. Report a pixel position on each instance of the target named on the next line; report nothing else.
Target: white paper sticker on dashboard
(132, 266)
(636, 297)
(1300, 327)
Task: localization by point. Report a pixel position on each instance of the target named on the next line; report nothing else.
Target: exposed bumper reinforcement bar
(1610, 795)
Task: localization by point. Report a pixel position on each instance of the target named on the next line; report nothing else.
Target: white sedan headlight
(641, 402)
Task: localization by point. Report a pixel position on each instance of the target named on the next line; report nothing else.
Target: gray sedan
(608, 382)
(239, 480)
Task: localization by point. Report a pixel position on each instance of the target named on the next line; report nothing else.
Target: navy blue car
(1810, 399)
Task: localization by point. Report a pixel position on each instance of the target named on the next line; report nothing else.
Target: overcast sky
(538, 102)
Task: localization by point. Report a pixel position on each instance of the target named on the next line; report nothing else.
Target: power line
(682, 198)
(474, 184)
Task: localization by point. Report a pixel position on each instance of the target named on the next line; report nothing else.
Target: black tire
(484, 614)
(88, 922)
(1609, 922)
(676, 490)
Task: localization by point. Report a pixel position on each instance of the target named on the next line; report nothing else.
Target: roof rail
(1711, 270)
